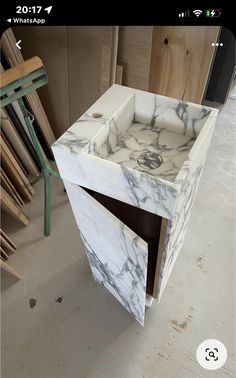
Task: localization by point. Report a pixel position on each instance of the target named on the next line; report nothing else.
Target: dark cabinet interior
(146, 225)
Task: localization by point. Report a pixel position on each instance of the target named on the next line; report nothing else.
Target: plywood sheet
(19, 146)
(50, 44)
(119, 74)
(109, 49)
(9, 269)
(15, 173)
(6, 184)
(181, 60)
(7, 238)
(9, 207)
(4, 254)
(134, 53)
(84, 67)
(6, 245)
(14, 154)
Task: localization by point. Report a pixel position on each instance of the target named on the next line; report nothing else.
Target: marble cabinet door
(117, 255)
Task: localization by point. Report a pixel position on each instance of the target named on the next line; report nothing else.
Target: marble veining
(174, 240)
(152, 194)
(162, 151)
(174, 115)
(71, 141)
(117, 256)
(187, 183)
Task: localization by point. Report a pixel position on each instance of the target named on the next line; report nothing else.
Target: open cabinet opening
(146, 225)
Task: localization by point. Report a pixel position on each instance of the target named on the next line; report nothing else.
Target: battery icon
(213, 13)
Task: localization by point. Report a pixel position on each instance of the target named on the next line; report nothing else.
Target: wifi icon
(197, 12)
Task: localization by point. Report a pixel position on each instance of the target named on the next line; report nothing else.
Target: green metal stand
(46, 172)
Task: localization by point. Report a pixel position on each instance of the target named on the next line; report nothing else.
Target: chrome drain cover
(149, 159)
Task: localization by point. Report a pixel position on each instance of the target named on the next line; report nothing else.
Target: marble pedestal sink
(131, 166)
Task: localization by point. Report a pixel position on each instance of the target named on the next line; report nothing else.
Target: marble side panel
(187, 183)
(103, 143)
(117, 256)
(171, 114)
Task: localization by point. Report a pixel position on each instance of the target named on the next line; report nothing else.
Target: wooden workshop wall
(50, 44)
(181, 60)
(134, 54)
(72, 58)
(84, 67)
(109, 49)
(173, 61)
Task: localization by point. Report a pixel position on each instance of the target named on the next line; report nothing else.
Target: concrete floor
(87, 333)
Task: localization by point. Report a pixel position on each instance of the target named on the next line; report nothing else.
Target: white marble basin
(151, 134)
(136, 147)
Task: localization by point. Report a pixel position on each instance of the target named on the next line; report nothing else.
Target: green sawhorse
(16, 82)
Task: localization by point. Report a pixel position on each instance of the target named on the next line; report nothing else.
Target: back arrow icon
(18, 44)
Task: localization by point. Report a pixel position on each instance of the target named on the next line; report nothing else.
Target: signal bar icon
(184, 14)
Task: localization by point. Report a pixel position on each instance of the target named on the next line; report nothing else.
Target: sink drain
(150, 160)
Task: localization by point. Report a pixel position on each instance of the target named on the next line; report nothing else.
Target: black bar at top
(117, 13)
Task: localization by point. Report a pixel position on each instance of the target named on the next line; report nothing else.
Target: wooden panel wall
(50, 44)
(80, 62)
(181, 60)
(134, 53)
(84, 67)
(109, 46)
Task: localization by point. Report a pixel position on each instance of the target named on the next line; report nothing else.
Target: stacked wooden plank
(19, 160)
(16, 165)
(14, 57)
(7, 247)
